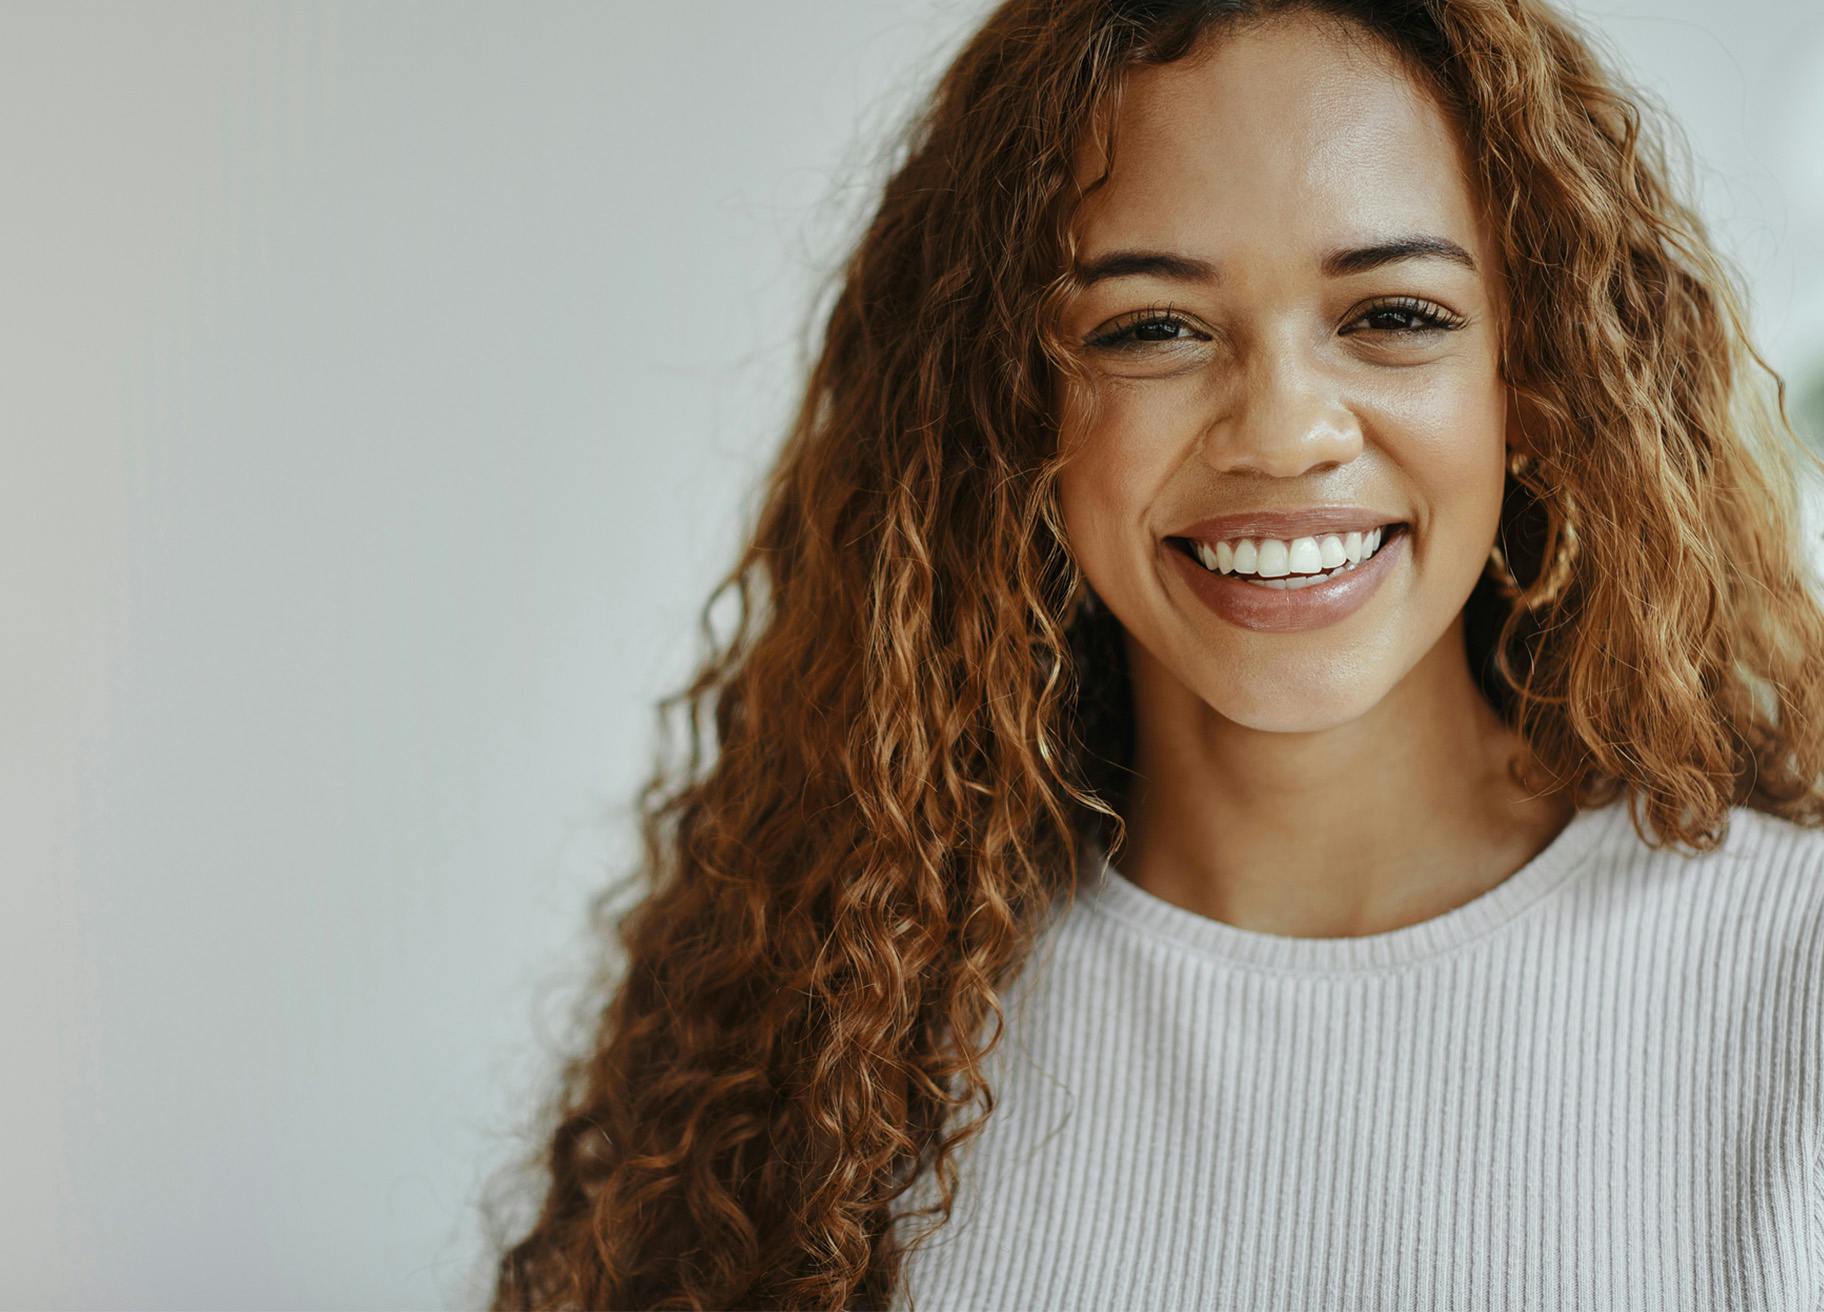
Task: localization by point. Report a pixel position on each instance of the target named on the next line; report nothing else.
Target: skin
(1349, 779)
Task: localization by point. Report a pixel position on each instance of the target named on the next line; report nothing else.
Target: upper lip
(1312, 521)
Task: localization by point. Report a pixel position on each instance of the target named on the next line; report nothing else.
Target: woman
(1281, 756)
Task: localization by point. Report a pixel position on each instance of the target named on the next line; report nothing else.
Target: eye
(1155, 325)
(1408, 316)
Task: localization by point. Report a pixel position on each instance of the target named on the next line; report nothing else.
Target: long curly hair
(916, 720)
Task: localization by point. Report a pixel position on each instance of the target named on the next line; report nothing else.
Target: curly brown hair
(916, 721)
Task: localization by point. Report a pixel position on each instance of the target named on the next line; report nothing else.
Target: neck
(1386, 820)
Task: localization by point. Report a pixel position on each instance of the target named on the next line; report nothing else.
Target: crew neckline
(1108, 892)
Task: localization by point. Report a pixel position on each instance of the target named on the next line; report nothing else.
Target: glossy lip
(1273, 610)
(1313, 521)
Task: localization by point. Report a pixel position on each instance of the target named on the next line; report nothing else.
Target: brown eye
(1144, 328)
(1407, 315)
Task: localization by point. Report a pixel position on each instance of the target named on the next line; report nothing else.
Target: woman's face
(1266, 369)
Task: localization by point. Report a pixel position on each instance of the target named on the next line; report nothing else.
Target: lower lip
(1289, 610)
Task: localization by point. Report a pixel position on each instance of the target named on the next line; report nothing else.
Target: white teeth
(1293, 582)
(1305, 557)
(1299, 561)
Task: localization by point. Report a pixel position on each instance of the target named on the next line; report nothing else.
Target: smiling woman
(1304, 453)
(1329, 364)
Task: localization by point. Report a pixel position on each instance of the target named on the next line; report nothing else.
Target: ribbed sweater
(1597, 1085)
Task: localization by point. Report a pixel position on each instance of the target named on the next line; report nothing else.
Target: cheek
(1452, 446)
(1094, 503)
(1448, 435)
(1114, 477)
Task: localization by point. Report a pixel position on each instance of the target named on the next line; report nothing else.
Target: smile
(1274, 586)
(1296, 561)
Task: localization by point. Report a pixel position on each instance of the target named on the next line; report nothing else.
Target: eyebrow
(1337, 264)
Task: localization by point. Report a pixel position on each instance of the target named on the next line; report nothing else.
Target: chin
(1299, 706)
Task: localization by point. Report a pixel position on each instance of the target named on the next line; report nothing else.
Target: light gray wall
(383, 385)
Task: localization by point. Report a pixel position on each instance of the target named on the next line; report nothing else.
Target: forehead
(1289, 128)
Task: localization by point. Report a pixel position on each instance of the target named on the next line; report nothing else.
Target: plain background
(384, 386)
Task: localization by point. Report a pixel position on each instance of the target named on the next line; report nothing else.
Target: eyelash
(1431, 317)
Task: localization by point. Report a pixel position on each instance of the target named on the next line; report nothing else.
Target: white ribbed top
(1598, 1085)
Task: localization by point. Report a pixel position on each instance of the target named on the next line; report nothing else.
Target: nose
(1284, 418)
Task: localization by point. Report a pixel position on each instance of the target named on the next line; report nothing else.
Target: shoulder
(1752, 844)
(1758, 895)
(1773, 874)
(1787, 855)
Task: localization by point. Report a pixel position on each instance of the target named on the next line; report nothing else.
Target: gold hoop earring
(1552, 582)
(1497, 573)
